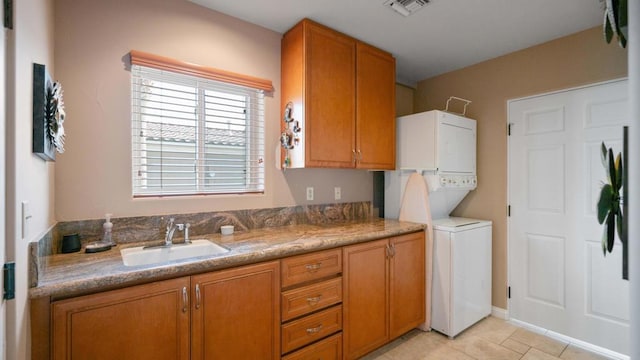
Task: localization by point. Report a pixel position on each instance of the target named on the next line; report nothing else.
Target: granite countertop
(65, 275)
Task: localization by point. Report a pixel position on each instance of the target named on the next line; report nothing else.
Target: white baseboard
(578, 343)
(500, 313)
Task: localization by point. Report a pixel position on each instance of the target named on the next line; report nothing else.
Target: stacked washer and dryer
(441, 147)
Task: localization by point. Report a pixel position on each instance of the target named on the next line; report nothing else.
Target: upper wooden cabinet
(375, 111)
(342, 93)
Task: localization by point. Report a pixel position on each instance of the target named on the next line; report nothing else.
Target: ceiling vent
(406, 7)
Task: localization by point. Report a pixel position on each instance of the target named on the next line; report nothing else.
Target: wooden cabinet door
(148, 321)
(407, 283)
(375, 114)
(236, 313)
(365, 297)
(343, 96)
(330, 93)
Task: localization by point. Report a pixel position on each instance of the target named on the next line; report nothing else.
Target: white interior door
(558, 275)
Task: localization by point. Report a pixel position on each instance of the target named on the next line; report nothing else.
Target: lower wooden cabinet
(312, 305)
(236, 313)
(365, 297)
(327, 349)
(228, 314)
(384, 291)
(406, 283)
(331, 304)
(148, 321)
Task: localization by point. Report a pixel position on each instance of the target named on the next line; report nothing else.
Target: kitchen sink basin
(154, 255)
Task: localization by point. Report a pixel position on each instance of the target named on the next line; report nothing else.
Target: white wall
(28, 177)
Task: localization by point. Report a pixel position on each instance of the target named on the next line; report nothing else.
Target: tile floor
(490, 339)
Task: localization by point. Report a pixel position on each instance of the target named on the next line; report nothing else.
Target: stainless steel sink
(153, 255)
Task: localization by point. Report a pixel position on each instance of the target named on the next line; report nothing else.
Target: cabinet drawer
(327, 349)
(303, 268)
(303, 300)
(311, 328)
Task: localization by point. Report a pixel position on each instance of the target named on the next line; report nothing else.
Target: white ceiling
(444, 35)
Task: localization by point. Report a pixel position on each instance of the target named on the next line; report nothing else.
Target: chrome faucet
(171, 228)
(168, 236)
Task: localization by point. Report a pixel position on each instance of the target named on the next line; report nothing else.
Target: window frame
(246, 84)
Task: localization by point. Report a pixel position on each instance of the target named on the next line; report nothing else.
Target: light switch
(26, 215)
(337, 192)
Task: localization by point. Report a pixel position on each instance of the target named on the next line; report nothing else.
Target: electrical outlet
(337, 193)
(309, 193)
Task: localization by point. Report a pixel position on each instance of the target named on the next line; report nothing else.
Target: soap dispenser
(107, 241)
(107, 227)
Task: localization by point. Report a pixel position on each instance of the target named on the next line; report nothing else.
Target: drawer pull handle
(185, 299)
(197, 296)
(313, 267)
(314, 330)
(314, 300)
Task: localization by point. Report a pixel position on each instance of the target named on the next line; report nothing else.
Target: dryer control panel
(458, 181)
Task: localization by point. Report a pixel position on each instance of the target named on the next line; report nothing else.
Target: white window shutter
(195, 136)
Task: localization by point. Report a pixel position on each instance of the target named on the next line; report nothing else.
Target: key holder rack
(290, 137)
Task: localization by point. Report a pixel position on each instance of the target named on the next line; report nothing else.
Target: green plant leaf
(611, 227)
(608, 31)
(619, 217)
(623, 23)
(603, 241)
(605, 202)
(603, 156)
(615, 22)
(612, 171)
(619, 170)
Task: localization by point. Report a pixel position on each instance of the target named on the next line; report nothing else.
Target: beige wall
(28, 177)
(404, 100)
(93, 37)
(575, 60)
